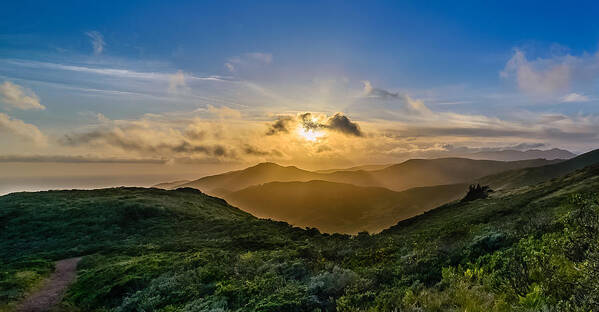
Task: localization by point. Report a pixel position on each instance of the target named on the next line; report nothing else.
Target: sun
(309, 134)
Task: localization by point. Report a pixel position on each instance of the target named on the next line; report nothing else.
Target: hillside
(409, 174)
(181, 250)
(428, 172)
(258, 174)
(534, 175)
(157, 250)
(338, 207)
(356, 168)
(171, 185)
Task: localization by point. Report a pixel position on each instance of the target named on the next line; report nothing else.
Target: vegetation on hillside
(530, 249)
(477, 192)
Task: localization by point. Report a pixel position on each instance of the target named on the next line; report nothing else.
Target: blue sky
(133, 79)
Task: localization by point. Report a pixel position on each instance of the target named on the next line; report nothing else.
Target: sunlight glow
(309, 134)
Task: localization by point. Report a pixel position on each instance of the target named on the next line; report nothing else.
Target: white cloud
(547, 77)
(177, 82)
(97, 41)
(574, 97)
(224, 112)
(541, 77)
(230, 67)
(248, 59)
(15, 96)
(261, 57)
(114, 72)
(21, 129)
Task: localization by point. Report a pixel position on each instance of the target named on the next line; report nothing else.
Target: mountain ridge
(398, 177)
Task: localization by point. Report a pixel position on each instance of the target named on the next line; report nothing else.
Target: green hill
(339, 207)
(534, 175)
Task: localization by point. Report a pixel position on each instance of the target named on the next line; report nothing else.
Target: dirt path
(53, 289)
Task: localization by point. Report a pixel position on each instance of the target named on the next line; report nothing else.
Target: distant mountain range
(502, 155)
(399, 177)
(511, 155)
(350, 200)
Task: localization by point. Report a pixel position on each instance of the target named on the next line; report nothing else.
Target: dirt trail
(53, 289)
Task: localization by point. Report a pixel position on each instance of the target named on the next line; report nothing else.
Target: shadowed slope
(339, 207)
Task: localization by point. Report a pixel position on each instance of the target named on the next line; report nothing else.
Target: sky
(182, 89)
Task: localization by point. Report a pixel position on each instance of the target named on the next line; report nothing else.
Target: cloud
(251, 150)
(176, 82)
(397, 102)
(574, 97)
(341, 123)
(230, 67)
(281, 125)
(540, 77)
(76, 159)
(309, 121)
(115, 72)
(549, 76)
(97, 41)
(370, 91)
(261, 57)
(224, 112)
(248, 59)
(15, 96)
(21, 129)
(144, 137)
(130, 141)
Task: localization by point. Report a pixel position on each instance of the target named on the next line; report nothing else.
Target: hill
(356, 168)
(534, 175)
(171, 185)
(440, 171)
(339, 207)
(159, 250)
(258, 174)
(409, 174)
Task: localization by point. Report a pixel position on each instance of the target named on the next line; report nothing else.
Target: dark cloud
(250, 150)
(281, 125)
(337, 122)
(341, 123)
(186, 147)
(308, 123)
(120, 140)
(378, 93)
(381, 93)
(195, 134)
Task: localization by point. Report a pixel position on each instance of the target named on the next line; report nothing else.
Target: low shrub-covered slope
(528, 249)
